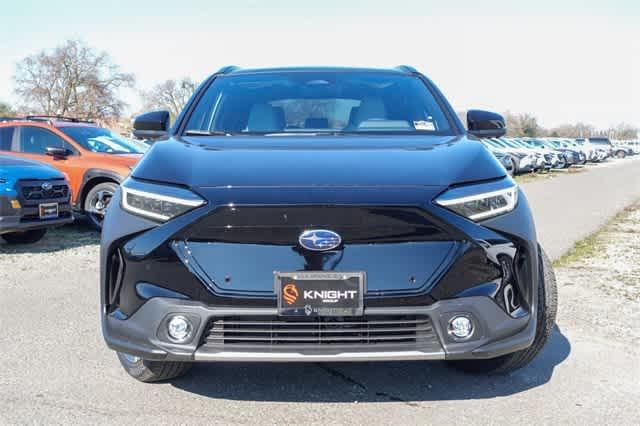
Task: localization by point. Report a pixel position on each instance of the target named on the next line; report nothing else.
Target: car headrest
(370, 109)
(316, 123)
(352, 116)
(265, 118)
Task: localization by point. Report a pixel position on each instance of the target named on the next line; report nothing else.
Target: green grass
(582, 249)
(530, 177)
(590, 245)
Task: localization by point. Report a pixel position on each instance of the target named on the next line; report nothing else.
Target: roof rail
(406, 68)
(228, 69)
(45, 117)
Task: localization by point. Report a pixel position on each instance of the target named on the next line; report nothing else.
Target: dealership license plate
(320, 293)
(48, 210)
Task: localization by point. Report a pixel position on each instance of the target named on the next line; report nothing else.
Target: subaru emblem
(319, 240)
(47, 186)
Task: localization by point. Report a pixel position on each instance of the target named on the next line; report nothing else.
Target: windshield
(500, 143)
(98, 139)
(536, 143)
(510, 144)
(318, 102)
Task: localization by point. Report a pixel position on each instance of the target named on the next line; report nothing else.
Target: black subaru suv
(322, 214)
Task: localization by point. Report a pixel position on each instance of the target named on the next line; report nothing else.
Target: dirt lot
(600, 280)
(56, 369)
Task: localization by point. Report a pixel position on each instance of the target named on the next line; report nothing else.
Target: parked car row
(525, 155)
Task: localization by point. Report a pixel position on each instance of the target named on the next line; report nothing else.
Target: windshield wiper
(206, 133)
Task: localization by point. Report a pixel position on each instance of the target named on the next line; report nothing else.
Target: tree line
(77, 80)
(519, 125)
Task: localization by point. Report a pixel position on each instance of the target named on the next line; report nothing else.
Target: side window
(6, 137)
(35, 140)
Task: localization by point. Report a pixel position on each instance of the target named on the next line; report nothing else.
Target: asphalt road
(54, 367)
(569, 208)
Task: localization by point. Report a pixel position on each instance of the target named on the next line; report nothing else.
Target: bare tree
(170, 95)
(522, 125)
(623, 131)
(6, 110)
(73, 79)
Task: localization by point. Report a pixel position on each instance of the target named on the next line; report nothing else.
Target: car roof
(58, 123)
(231, 70)
(21, 121)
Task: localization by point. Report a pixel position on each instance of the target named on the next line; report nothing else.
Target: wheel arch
(93, 177)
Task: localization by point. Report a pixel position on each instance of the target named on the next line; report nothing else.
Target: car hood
(12, 168)
(311, 161)
(122, 159)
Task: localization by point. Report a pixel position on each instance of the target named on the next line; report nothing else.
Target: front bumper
(13, 224)
(527, 164)
(212, 280)
(144, 334)
(17, 220)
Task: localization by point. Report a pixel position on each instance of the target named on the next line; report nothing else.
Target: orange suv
(94, 158)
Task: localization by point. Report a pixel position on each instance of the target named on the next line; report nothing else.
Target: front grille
(283, 224)
(31, 193)
(38, 193)
(272, 334)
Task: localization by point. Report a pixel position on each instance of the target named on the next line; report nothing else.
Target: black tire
(152, 371)
(621, 154)
(26, 237)
(514, 167)
(545, 322)
(96, 202)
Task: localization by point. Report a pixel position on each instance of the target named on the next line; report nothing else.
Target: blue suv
(33, 197)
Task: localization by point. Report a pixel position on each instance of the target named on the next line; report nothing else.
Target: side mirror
(152, 125)
(485, 124)
(57, 152)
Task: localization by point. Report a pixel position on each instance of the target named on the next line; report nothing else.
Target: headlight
(157, 202)
(479, 202)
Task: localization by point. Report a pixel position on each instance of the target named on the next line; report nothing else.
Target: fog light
(179, 328)
(461, 327)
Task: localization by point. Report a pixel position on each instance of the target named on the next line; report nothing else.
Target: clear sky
(563, 61)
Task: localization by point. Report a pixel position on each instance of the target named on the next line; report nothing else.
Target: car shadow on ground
(77, 234)
(407, 382)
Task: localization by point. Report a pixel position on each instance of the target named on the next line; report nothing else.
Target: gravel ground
(56, 368)
(610, 274)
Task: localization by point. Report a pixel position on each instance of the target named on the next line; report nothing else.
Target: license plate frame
(48, 210)
(321, 284)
